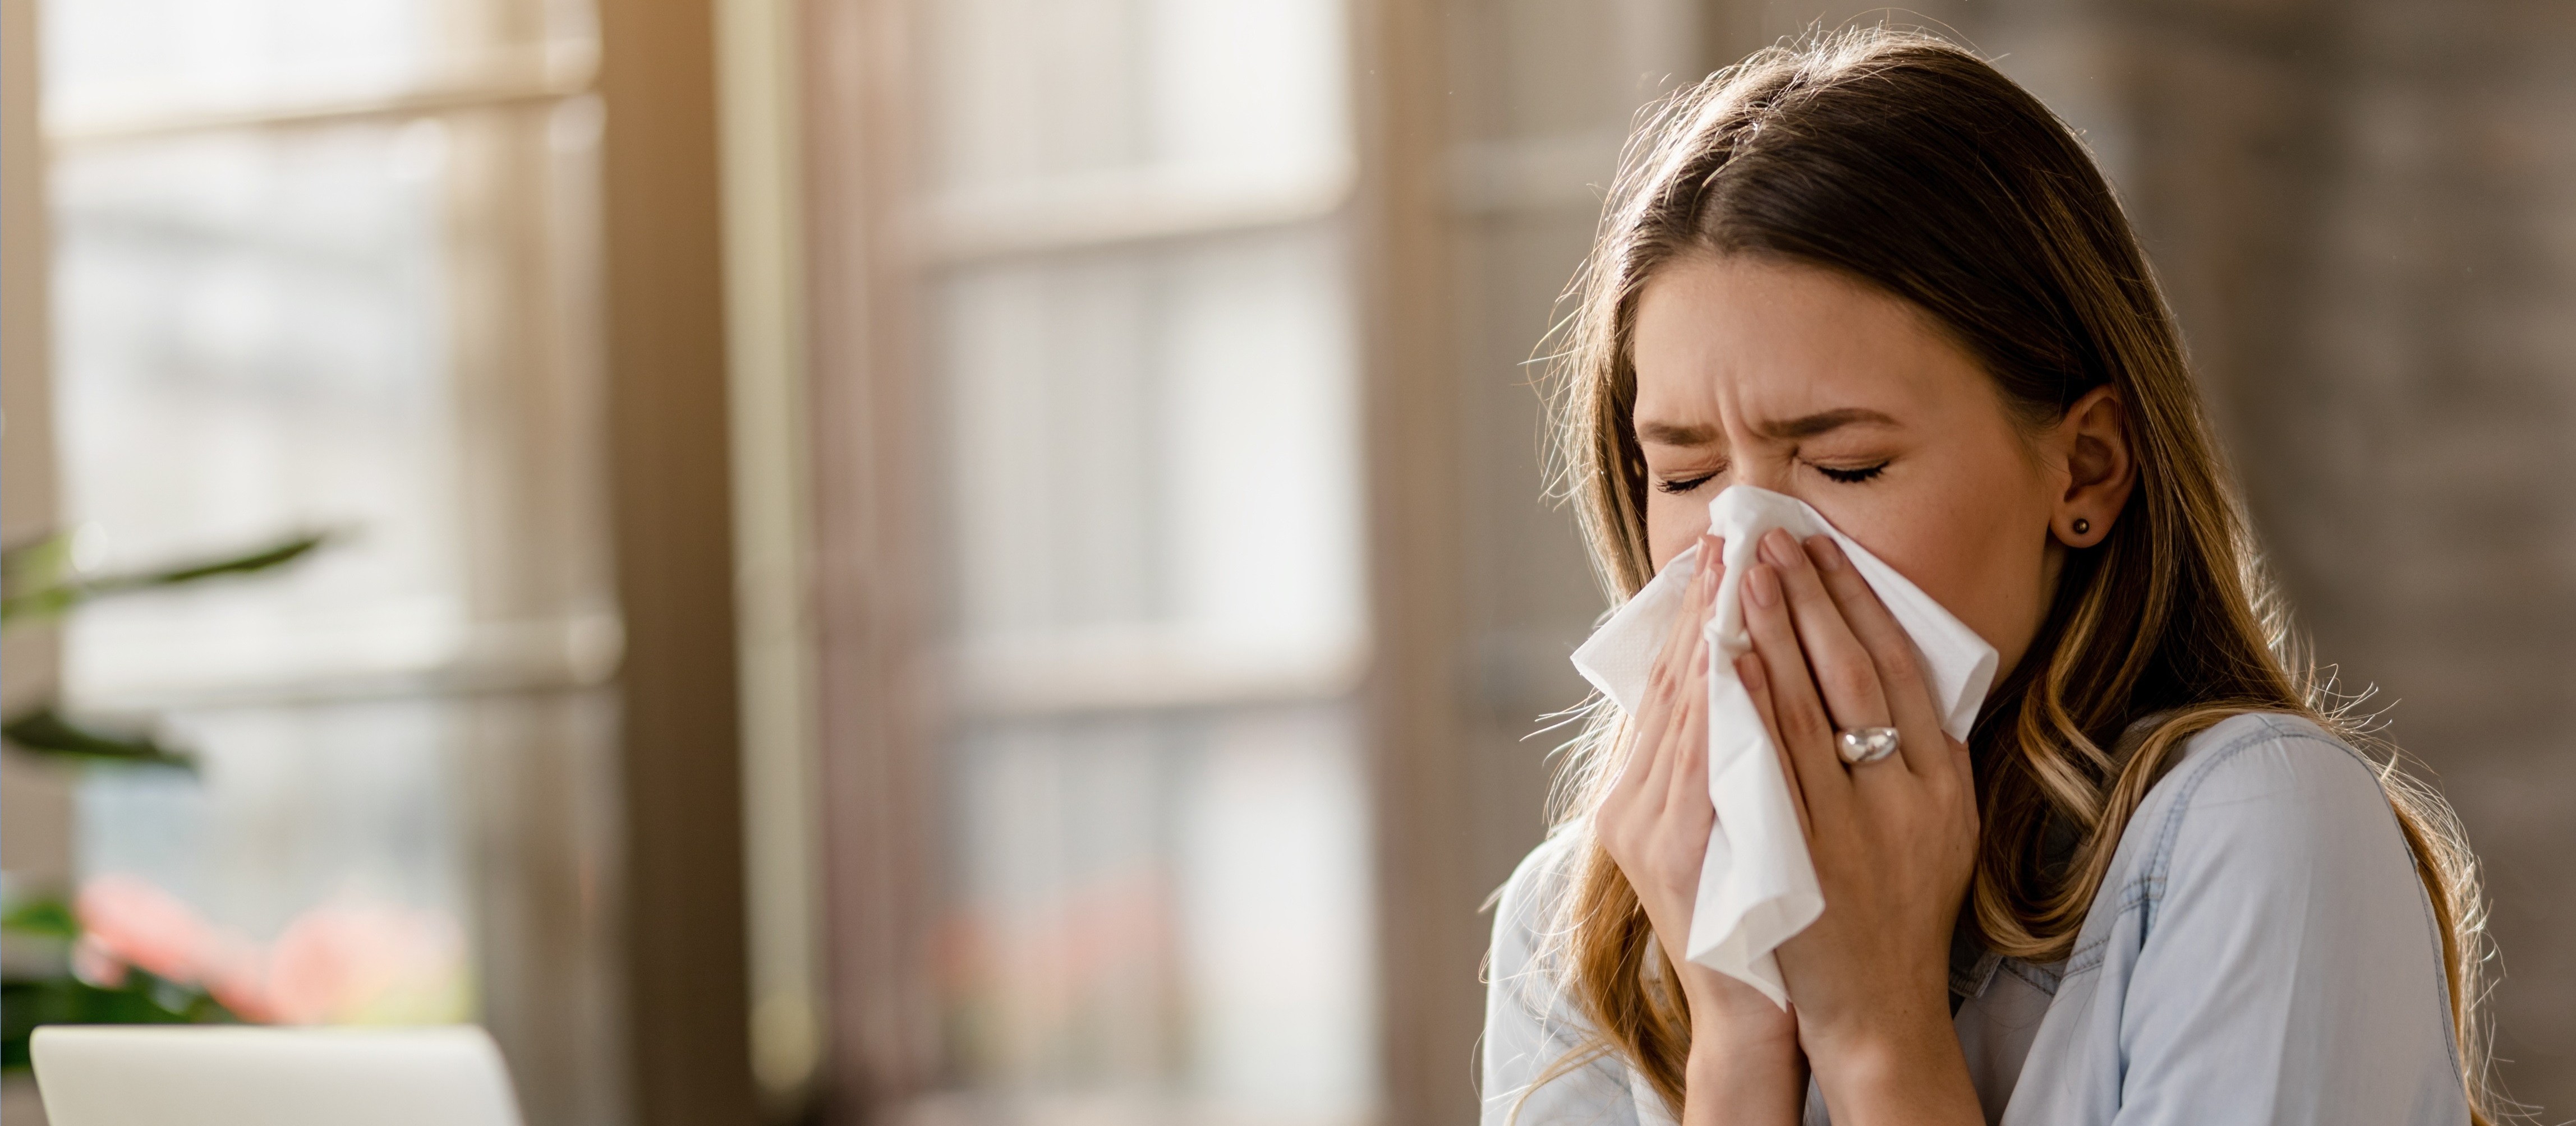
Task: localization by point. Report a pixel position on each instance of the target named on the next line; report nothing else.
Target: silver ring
(1866, 744)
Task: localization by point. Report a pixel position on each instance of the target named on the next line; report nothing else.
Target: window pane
(369, 330)
(340, 819)
(122, 59)
(254, 340)
(1025, 88)
(1155, 882)
(1160, 917)
(1157, 437)
(1150, 495)
(395, 861)
(379, 328)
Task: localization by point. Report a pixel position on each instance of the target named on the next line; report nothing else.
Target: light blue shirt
(2261, 951)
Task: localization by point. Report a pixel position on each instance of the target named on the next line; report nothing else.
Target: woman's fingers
(1908, 696)
(1689, 777)
(1647, 771)
(1846, 675)
(1672, 660)
(1748, 668)
(1688, 686)
(1798, 715)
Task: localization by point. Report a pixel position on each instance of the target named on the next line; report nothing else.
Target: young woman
(2158, 884)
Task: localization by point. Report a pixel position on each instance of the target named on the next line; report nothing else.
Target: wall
(2365, 212)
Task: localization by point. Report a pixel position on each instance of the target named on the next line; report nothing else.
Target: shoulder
(1541, 1062)
(1525, 979)
(2264, 942)
(2267, 802)
(1526, 906)
(1544, 876)
(2277, 768)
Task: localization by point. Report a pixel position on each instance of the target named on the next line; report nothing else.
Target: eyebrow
(1667, 434)
(1809, 426)
(1804, 426)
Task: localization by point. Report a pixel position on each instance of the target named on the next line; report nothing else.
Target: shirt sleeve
(2291, 970)
(1530, 1028)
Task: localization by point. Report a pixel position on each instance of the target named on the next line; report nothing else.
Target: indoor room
(1102, 562)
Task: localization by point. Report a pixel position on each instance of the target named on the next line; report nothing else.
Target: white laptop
(225, 1075)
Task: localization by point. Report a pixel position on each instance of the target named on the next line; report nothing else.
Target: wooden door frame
(686, 1002)
(1430, 939)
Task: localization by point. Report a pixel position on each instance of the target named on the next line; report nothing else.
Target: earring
(2082, 525)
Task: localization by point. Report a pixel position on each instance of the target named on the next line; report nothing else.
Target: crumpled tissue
(1757, 888)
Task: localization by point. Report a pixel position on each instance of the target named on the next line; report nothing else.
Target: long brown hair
(1912, 165)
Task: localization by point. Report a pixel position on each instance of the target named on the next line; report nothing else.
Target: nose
(1774, 476)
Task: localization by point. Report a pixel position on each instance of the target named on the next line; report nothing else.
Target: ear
(2092, 439)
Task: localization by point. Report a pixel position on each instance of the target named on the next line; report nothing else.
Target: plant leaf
(38, 583)
(277, 554)
(43, 918)
(41, 730)
(35, 563)
(26, 1003)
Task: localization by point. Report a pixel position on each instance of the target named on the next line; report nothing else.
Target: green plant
(38, 583)
(141, 998)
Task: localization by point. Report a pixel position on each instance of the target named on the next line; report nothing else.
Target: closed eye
(1686, 484)
(1851, 476)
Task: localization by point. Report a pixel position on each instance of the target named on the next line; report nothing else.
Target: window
(1126, 272)
(326, 265)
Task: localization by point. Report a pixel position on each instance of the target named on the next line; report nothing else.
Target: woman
(2157, 884)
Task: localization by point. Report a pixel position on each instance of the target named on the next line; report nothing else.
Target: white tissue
(1757, 889)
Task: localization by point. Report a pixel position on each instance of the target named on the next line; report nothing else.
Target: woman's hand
(1893, 840)
(1655, 823)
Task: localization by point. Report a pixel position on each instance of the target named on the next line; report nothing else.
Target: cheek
(1969, 560)
(1672, 525)
(1976, 544)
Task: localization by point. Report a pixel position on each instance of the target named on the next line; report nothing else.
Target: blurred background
(982, 561)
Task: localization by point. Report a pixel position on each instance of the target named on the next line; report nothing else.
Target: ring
(1866, 744)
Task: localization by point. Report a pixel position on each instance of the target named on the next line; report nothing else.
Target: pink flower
(342, 963)
(126, 921)
(230, 969)
(335, 963)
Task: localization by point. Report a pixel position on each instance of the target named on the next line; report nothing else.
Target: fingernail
(1764, 583)
(1779, 546)
(1827, 553)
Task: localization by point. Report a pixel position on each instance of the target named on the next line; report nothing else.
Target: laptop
(227, 1075)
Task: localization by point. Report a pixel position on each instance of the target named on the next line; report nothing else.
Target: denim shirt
(2261, 951)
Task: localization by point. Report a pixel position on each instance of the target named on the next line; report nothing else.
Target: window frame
(680, 1003)
(877, 669)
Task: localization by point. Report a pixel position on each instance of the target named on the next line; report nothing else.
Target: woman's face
(1803, 381)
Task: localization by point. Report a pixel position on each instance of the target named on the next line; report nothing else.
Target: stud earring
(2082, 525)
